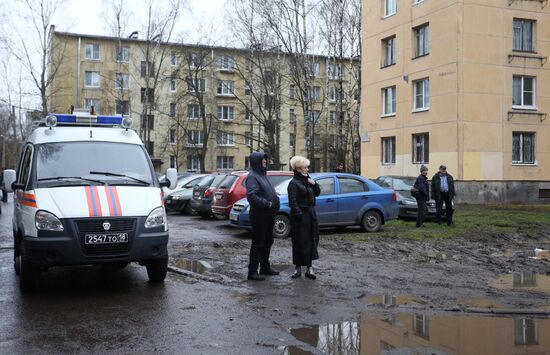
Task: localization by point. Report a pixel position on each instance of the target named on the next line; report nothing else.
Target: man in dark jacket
(422, 195)
(264, 204)
(443, 190)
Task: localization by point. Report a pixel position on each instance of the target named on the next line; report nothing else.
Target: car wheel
(157, 269)
(188, 210)
(371, 221)
(281, 228)
(28, 273)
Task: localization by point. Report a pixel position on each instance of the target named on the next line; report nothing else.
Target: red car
(232, 189)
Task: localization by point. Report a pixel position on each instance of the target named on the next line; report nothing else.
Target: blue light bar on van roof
(88, 119)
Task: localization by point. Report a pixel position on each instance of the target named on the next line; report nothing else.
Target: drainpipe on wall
(77, 103)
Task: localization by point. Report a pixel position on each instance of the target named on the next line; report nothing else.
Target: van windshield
(85, 163)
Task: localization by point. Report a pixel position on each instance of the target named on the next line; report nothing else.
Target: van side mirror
(171, 178)
(9, 180)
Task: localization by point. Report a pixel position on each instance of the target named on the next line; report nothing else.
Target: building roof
(197, 46)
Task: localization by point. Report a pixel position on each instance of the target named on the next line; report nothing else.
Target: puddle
(529, 281)
(394, 300)
(244, 297)
(427, 334)
(196, 266)
(480, 303)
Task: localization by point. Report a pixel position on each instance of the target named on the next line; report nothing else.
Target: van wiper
(106, 173)
(72, 177)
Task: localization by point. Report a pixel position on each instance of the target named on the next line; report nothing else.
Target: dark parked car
(407, 204)
(345, 200)
(203, 194)
(179, 199)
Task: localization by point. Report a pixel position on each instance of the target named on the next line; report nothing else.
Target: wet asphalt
(93, 310)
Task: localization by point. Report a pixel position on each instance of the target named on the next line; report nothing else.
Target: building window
(524, 92)
(388, 150)
(421, 148)
(421, 326)
(147, 95)
(196, 85)
(92, 79)
(173, 84)
(314, 116)
(227, 63)
(173, 59)
(173, 162)
(123, 54)
(194, 60)
(147, 69)
(195, 138)
(122, 81)
(336, 95)
(150, 146)
(122, 107)
(418, 1)
(524, 33)
(224, 162)
(247, 114)
(292, 139)
(389, 101)
(291, 115)
(247, 88)
(172, 109)
(226, 113)
(195, 111)
(172, 136)
(523, 148)
(526, 331)
(246, 163)
(316, 140)
(193, 163)
(248, 139)
(421, 40)
(390, 7)
(421, 94)
(148, 123)
(225, 139)
(225, 87)
(92, 51)
(314, 69)
(388, 46)
(292, 92)
(88, 103)
(314, 93)
(332, 118)
(336, 71)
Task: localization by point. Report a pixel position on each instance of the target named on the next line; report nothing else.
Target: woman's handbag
(415, 192)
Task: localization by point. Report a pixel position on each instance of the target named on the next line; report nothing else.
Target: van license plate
(106, 238)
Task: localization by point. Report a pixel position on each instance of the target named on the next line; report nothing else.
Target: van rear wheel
(157, 269)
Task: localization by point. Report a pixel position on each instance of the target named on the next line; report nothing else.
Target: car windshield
(73, 163)
(217, 180)
(206, 181)
(403, 183)
(227, 182)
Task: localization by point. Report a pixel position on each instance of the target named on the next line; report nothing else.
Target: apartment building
(461, 83)
(168, 88)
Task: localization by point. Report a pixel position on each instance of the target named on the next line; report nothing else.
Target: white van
(86, 193)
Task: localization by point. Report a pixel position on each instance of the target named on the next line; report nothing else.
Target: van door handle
(330, 200)
(364, 197)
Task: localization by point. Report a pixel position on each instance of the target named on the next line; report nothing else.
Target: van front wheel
(28, 273)
(157, 269)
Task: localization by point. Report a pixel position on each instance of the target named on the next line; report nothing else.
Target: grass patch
(469, 221)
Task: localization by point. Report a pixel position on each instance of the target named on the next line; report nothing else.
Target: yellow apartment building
(149, 81)
(465, 83)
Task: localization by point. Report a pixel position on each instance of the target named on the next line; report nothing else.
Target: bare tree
(33, 48)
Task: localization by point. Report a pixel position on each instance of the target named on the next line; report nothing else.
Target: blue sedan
(345, 200)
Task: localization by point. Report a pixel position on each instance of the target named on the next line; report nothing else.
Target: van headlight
(46, 221)
(157, 218)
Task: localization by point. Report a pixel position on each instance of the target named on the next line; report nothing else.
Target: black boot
(254, 276)
(268, 271)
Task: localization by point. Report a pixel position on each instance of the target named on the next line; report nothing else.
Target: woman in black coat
(302, 191)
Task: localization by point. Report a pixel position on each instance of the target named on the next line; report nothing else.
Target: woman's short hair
(299, 161)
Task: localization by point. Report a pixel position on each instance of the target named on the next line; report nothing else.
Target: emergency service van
(85, 192)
